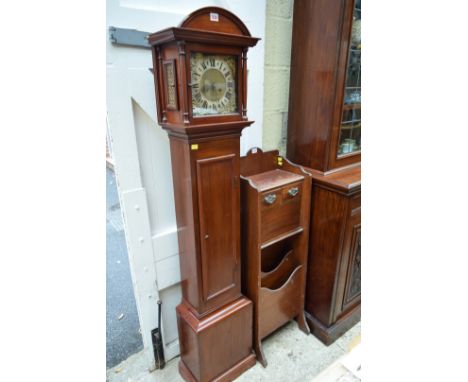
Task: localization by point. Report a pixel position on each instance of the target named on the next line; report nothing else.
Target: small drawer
(281, 210)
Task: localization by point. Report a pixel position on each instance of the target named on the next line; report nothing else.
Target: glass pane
(213, 83)
(350, 132)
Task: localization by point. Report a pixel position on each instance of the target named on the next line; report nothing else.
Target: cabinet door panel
(218, 199)
(349, 280)
(353, 278)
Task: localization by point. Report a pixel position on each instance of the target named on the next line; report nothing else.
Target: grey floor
(123, 337)
(292, 356)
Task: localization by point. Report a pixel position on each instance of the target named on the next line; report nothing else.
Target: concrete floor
(122, 326)
(292, 356)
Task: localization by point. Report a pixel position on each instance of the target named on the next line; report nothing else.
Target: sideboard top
(273, 179)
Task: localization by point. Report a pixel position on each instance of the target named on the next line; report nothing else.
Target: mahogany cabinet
(275, 198)
(324, 134)
(333, 292)
(200, 72)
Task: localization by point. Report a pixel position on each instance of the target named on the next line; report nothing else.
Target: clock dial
(213, 79)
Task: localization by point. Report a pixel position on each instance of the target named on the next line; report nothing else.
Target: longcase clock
(200, 71)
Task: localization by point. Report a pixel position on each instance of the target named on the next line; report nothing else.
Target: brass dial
(213, 82)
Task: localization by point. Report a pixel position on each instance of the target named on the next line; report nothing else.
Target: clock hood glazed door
(215, 77)
(213, 84)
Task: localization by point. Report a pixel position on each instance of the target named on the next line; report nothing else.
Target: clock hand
(206, 85)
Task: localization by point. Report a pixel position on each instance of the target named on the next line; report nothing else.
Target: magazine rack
(275, 199)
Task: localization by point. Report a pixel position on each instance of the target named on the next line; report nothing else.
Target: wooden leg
(258, 350)
(302, 323)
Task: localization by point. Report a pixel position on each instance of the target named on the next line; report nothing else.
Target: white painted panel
(141, 86)
(168, 272)
(172, 297)
(140, 253)
(123, 139)
(180, 7)
(156, 171)
(167, 244)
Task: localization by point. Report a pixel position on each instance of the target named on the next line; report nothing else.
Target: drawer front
(281, 210)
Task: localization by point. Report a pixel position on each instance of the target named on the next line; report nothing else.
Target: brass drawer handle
(270, 199)
(293, 191)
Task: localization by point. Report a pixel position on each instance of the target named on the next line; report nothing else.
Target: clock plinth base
(217, 347)
(229, 375)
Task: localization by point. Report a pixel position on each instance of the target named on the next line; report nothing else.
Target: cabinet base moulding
(329, 334)
(229, 375)
(217, 347)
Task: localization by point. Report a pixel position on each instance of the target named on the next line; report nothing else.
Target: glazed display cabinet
(324, 134)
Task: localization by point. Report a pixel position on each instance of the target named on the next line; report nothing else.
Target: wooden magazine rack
(275, 200)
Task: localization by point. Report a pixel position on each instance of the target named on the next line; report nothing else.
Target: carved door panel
(348, 288)
(352, 292)
(218, 203)
(353, 278)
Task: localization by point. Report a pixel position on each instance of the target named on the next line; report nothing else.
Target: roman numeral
(228, 95)
(205, 104)
(212, 62)
(203, 65)
(230, 84)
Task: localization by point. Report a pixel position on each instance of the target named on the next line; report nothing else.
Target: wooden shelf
(349, 127)
(351, 106)
(282, 237)
(281, 273)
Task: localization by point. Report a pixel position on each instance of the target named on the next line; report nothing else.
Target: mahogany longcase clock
(200, 71)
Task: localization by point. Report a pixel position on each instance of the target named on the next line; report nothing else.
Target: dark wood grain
(320, 46)
(215, 320)
(271, 179)
(230, 329)
(228, 22)
(274, 274)
(321, 30)
(218, 203)
(344, 179)
(198, 34)
(334, 234)
(280, 274)
(283, 215)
